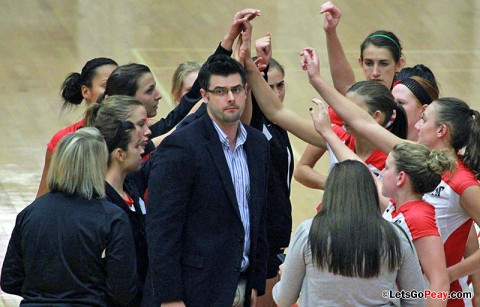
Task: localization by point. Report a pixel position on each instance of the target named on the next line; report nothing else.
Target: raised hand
(332, 16)
(310, 62)
(321, 118)
(263, 47)
(236, 26)
(245, 42)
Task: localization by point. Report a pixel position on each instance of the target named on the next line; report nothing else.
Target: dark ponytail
(399, 126)
(471, 157)
(378, 97)
(71, 88)
(464, 126)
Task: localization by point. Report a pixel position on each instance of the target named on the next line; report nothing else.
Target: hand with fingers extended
(263, 46)
(332, 16)
(310, 62)
(237, 26)
(321, 118)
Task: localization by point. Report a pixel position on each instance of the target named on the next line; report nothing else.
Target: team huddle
(194, 209)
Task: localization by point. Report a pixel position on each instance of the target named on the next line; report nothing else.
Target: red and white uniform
(375, 162)
(453, 222)
(417, 218)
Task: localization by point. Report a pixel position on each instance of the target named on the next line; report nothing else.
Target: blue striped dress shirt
(237, 164)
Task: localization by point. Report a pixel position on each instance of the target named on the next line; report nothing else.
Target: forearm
(340, 69)
(346, 109)
(465, 267)
(362, 122)
(266, 99)
(247, 112)
(304, 170)
(341, 151)
(472, 246)
(310, 178)
(277, 113)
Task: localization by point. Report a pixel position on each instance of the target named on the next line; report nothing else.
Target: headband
(387, 37)
(417, 90)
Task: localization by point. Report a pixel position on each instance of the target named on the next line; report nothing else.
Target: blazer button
(235, 269)
(240, 239)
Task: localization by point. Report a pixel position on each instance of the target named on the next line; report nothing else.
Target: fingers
(326, 7)
(259, 62)
(308, 55)
(247, 14)
(329, 7)
(322, 106)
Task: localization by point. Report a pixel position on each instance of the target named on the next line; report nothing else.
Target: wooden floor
(43, 40)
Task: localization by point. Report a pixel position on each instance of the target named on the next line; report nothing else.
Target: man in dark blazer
(206, 213)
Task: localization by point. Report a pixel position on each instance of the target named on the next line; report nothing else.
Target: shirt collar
(241, 135)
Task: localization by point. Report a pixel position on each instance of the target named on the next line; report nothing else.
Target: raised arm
(237, 26)
(352, 114)
(274, 109)
(322, 125)
(252, 112)
(340, 69)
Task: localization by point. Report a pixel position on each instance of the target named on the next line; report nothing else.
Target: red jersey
(453, 222)
(61, 133)
(334, 118)
(375, 162)
(417, 218)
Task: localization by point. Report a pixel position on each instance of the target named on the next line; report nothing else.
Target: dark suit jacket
(194, 230)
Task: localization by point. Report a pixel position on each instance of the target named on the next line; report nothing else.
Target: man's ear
(204, 95)
(360, 62)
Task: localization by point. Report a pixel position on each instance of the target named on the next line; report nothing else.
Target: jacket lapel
(254, 169)
(218, 157)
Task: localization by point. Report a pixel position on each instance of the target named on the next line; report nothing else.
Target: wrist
(331, 31)
(227, 43)
(314, 78)
(328, 134)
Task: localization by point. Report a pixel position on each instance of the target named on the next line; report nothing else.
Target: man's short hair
(220, 65)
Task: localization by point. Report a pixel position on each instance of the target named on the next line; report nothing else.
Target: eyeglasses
(223, 91)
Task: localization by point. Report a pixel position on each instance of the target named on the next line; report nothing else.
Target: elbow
(440, 283)
(11, 287)
(284, 297)
(298, 174)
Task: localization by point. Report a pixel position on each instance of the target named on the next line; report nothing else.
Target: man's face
(225, 99)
